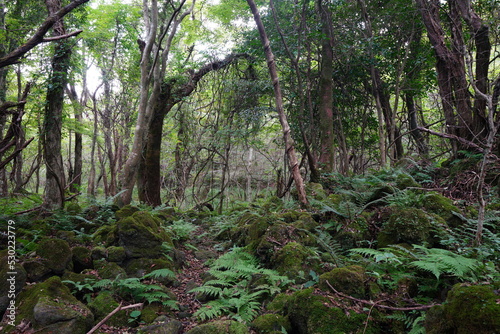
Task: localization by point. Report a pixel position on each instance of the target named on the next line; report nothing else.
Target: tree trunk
(289, 145)
(55, 180)
(452, 81)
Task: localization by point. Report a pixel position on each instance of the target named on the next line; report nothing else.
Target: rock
(99, 253)
(103, 304)
(109, 270)
(271, 323)
(8, 286)
(442, 206)
(220, 327)
(309, 313)
(55, 254)
(164, 326)
(349, 280)
(468, 309)
(51, 308)
(141, 236)
(116, 254)
(126, 211)
(294, 258)
(82, 258)
(410, 226)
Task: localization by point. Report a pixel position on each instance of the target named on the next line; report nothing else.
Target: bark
(39, 36)
(289, 145)
(55, 180)
(171, 94)
(76, 179)
(461, 120)
(327, 154)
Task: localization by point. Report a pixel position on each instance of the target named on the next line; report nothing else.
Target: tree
(289, 145)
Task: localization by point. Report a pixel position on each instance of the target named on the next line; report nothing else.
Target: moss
(82, 258)
(49, 306)
(219, 327)
(294, 258)
(409, 225)
(105, 235)
(316, 191)
(443, 207)
(353, 232)
(468, 309)
(56, 255)
(73, 208)
(116, 254)
(271, 323)
(149, 313)
(349, 280)
(103, 304)
(314, 314)
(99, 253)
(109, 270)
(279, 302)
(126, 211)
(141, 267)
(404, 181)
(141, 236)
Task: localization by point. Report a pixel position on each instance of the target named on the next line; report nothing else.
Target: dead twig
(106, 318)
(374, 304)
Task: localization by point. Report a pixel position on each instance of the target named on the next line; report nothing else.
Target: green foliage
(239, 285)
(181, 230)
(393, 263)
(132, 288)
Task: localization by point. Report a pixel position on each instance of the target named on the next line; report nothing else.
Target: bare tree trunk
(289, 145)
(55, 180)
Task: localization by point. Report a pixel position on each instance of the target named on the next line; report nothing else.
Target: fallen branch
(106, 318)
(454, 137)
(374, 304)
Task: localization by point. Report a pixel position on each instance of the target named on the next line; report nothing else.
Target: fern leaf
(160, 273)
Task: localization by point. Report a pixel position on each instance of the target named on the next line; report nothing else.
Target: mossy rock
(8, 282)
(73, 208)
(126, 211)
(271, 324)
(105, 235)
(411, 226)
(109, 270)
(142, 236)
(316, 191)
(82, 258)
(51, 308)
(55, 254)
(443, 207)
(162, 325)
(353, 232)
(249, 228)
(99, 253)
(468, 309)
(141, 267)
(404, 181)
(35, 270)
(116, 254)
(68, 236)
(220, 327)
(314, 314)
(103, 304)
(294, 258)
(349, 280)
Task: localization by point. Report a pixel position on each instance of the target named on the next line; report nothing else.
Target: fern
(160, 273)
(239, 285)
(440, 261)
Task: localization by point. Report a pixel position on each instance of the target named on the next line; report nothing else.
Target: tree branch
(374, 304)
(57, 38)
(14, 56)
(120, 307)
(454, 137)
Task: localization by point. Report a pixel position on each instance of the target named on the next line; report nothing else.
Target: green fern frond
(160, 273)
(208, 290)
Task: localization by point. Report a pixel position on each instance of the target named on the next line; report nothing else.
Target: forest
(248, 167)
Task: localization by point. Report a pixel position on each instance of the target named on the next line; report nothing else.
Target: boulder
(51, 308)
(220, 327)
(468, 309)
